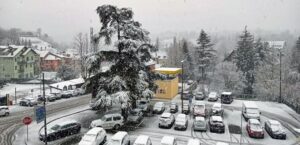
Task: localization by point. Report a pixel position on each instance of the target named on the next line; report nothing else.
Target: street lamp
(182, 84)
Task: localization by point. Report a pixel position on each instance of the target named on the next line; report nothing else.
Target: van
(250, 110)
(226, 98)
(142, 140)
(120, 138)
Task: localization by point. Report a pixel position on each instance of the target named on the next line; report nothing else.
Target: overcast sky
(62, 19)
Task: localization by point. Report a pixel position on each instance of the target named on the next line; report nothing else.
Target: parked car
(51, 97)
(173, 107)
(135, 116)
(40, 98)
(144, 105)
(181, 122)
(67, 94)
(275, 129)
(4, 111)
(254, 129)
(199, 124)
(213, 96)
(186, 108)
(222, 143)
(194, 142)
(61, 130)
(250, 110)
(199, 96)
(159, 107)
(186, 95)
(217, 110)
(216, 124)
(79, 91)
(189, 82)
(120, 138)
(199, 109)
(226, 97)
(168, 140)
(166, 120)
(109, 121)
(142, 140)
(28, 101)
(95, 136)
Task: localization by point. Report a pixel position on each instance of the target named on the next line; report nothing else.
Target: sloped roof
(13, 50)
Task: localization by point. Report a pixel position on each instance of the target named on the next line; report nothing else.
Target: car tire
(6, 114)
(117, 126)
(159, 126)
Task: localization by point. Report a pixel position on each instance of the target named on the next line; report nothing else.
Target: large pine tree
(127, 77)
(296, 56)
(205, 54)
(189, 61)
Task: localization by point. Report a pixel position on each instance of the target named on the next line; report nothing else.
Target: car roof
(173, 103)
(250, 104)
(216, 118)
(274, 122)
(226, 93)
(199, 103)
(198, 118)
(193, 142)
(181, 115)
(254, 121)
(111, 115)
(167, 140)
(218, 105)
(166, 114)
(199, 92)
(95, 130)
(6, 107)
(119, 135)
(141, 139)
(67, 122)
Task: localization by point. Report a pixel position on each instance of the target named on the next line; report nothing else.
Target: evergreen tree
(296, 56)
(205, 54)
(127, 78)
(245, 60)
(189, 61)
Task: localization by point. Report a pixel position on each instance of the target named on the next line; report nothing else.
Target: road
(9, 125)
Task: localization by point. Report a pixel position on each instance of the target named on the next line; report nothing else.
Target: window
(31, 57)
(162, 91)
(109, 119)
(117, 117)
(26, 65)
(30, 65)
(27, 58)
(16, 67)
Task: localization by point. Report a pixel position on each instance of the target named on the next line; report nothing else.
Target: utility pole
(15, 95)
(182, 84)
(279, 101)
(45, 121)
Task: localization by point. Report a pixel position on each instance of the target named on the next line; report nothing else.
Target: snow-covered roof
(73, 82)
(166, 114)
(217, 118)
(67, 122)
(169, 140)
(167, 70)
(42, 53)
(10, 51)
(141, 139)
(95, 130)
(193, 142)
(52, 57)
(200, 103)
(119, 135)
(250, 104)
(226, 93)
(199, 118)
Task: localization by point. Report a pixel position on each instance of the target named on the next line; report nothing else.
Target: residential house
(18, 62)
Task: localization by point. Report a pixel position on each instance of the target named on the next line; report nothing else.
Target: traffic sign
(27, 120)
(40, 113)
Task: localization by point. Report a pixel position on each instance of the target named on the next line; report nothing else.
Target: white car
(4, 111)
(159, 107)
(213, 96)
(120, 138)
(168, 140)
(142, 140)
(95, 136)
(109, 121)
(193, 142)
(181, 122)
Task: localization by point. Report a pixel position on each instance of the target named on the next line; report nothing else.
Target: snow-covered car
(95, 136)
(199, 96)
(51, 97)
(189, 82)
(28, 101)
(168, 140)
(144, 105)
(217, 110)
(186, 108)
(250, 110)
(173, 107)
(61, 130)
(221, 143)
(193, 142)
(213, 96)
(275, 129)
(199, 109)
(67, 94)
(186, 95)
(142, 140)
(79, 91)
(4, 111)
(254, 129)
(216, 124)
(181, 122)
(135, 116)
(120, 138)
(199, 124)
(159, 107)
(109, 121)
(166, 120)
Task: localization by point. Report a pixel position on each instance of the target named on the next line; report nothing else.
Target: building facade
(18, 62)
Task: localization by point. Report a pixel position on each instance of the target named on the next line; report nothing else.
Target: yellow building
(167, 89)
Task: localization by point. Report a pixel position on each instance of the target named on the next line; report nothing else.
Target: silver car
(200, 124)
(166, 120)
(181, 122)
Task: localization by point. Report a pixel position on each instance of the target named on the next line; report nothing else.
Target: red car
(254, 129)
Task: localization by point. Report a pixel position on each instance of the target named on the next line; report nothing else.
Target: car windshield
(199, 123)
(142, 103)
(103, 118)
(89, 137)
(134, 112)
(255, 126)
(252, 111)
(199, 107)
(55, 127)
